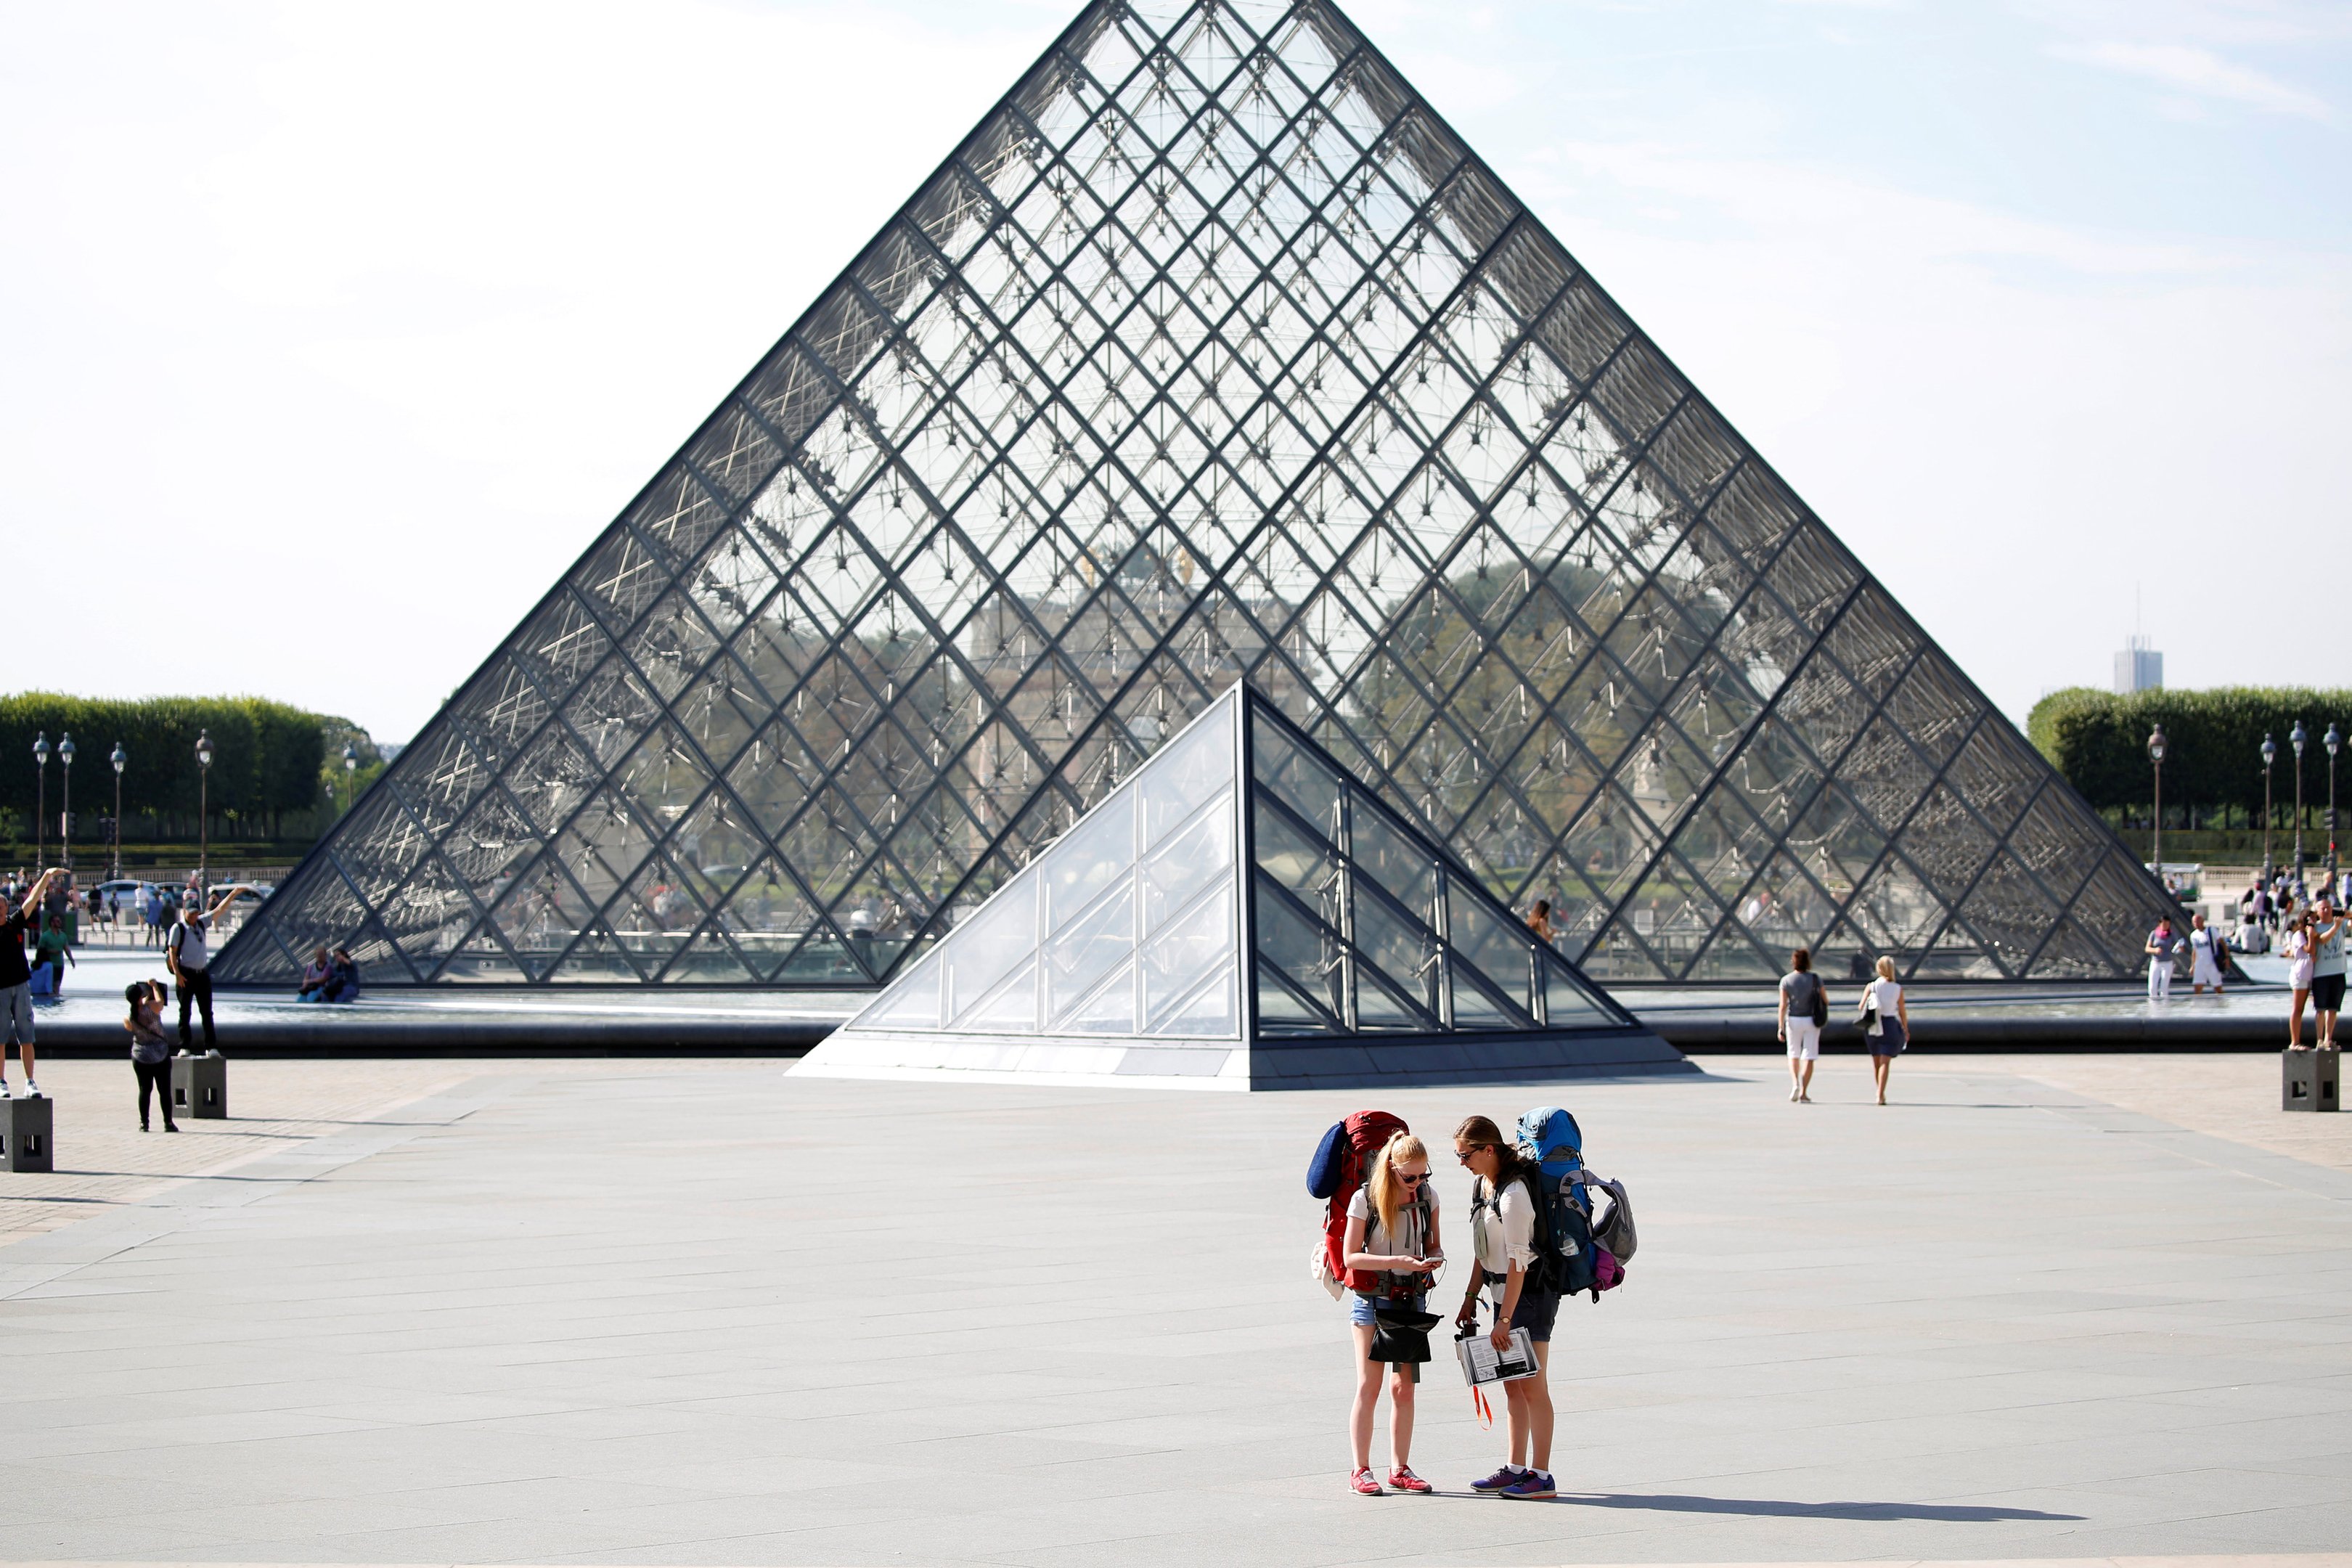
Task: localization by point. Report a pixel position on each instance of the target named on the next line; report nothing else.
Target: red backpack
(1335, 1171)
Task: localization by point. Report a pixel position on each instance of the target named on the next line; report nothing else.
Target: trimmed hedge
(270, 759)
(2213, 758)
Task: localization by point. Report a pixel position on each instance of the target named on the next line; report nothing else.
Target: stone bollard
(25, 1136)
(2308, 1080)
(200, 1086)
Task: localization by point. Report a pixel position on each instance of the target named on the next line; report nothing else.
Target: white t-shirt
(1376, 1240)
(1888, 993)
(1504, 1233)
(187, 941)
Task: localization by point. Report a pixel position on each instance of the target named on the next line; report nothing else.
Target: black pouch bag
(1400, 1335)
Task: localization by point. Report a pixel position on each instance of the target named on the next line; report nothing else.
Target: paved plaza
(706, 1313)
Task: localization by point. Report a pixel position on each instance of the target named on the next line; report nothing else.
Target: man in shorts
(1802, 1006)
(17, 981)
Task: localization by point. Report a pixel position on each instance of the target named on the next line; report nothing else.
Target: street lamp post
(40, 799)
(2156, 762)
(2332, 739)
(119, 758)
(2295, 737)
(351, 763)
(2268, 752)
(65, 813)
(204, 812)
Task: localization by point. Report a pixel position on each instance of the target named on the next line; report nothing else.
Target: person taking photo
(190, 960)
(17, 978)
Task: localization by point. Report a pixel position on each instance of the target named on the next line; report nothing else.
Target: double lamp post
(2298, 737)
(121, 759)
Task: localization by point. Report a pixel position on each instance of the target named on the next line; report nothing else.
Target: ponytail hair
(1387, 1192)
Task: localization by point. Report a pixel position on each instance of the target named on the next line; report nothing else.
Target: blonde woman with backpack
(1390, 1252)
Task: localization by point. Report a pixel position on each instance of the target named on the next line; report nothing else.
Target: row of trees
(271, 762)
(2212, 759)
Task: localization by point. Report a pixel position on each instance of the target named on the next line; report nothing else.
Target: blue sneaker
(1497, 1481)
(1532, 1487)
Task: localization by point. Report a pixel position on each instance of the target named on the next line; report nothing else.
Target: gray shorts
(16, 1013)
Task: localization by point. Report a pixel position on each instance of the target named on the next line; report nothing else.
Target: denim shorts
(1360, 1306)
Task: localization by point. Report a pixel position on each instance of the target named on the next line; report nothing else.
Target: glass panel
(1305, 786)
(1195, 768)
(1083, 951)
(1280, 1012)
(1475, 1008)
(984, 951)
(1180, 958)
(1565, 1004)
(1214, 1012)
(1110, 1011)
(1405, 954)
(1308, 955)
(912, 1004)
(1010, 1009)
(1405, 869)
(1099, 849)
(1381, 1009)
(1298, 863)
(1498, 951)
(1178, 869)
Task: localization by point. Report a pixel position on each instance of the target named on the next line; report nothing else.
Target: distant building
(2138, 668)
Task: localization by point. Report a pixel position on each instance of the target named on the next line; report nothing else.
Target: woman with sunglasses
(1503, 1198)
(1390, 1252)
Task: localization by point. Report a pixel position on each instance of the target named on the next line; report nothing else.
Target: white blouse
(1503, 1232)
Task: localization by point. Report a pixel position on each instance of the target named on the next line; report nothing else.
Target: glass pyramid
(1211, 354)
(1361, 953)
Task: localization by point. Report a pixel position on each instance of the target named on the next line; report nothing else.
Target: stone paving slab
(663, 1314)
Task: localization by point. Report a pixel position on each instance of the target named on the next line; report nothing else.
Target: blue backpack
(1550, 1139)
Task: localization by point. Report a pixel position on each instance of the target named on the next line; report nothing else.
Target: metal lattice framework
(1211, 355)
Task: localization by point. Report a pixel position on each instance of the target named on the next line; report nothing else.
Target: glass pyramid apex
(1211, 355)
(1241, 913)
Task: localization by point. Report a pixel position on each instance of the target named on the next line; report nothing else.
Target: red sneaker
(1363, 1484)
(1404, 1480)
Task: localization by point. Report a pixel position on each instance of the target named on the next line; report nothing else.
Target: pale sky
(334, 330)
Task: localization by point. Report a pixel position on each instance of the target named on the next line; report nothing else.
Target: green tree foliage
(2212, 760)
(270, 760)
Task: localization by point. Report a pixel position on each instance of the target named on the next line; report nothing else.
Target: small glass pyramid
(1359, 952)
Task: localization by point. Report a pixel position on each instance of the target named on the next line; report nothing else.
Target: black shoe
(144, 1128)
(170, 1127)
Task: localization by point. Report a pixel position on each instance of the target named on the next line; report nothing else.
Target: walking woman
(1886, 998)
(1503, 1197)
(2295, 946)
(1392, 1239)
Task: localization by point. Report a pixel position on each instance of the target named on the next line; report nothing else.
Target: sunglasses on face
(1463, 1155)
(1413, 1178)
